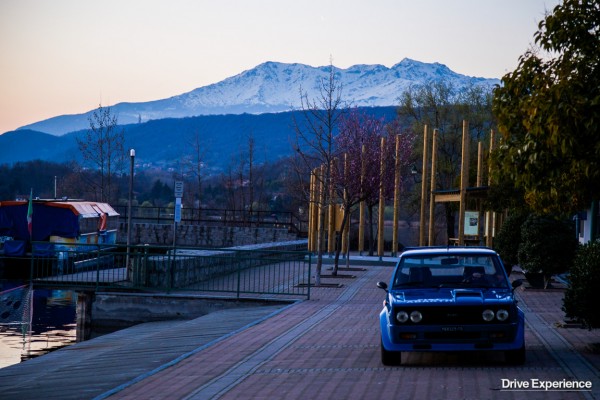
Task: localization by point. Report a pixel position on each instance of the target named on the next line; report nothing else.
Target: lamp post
(132, 158)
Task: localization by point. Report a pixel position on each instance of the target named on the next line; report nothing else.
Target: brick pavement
(328, 348)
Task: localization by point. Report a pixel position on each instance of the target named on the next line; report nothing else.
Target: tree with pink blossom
(357, 174)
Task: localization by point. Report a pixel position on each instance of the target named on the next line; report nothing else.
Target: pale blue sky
(68, 56)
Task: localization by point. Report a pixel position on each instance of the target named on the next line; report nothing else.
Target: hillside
(165, 142)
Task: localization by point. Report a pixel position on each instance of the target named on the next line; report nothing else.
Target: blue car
(450, 299)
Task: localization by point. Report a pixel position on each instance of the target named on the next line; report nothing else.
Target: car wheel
(515, 357)
(390, 357)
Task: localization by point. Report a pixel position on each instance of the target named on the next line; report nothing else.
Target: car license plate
(452, 328)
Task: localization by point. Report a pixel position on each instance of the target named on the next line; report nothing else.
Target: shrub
(508, 239)
(548, 246)
(582, 293)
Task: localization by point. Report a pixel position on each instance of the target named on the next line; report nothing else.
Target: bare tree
(102, 149)
(251, 177)
(244, 179)
(194, 162)
(314, 144)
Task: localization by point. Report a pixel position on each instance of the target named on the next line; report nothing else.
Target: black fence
(260, 272)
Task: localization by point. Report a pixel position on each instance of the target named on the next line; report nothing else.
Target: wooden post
(490, 217)
(311, 211)
(361, 227)
(464, 183)
(321, 206)
(479, 164)
(432, 188)
(361, 210)
(478, 184)
(380, 230)
(396, 198)
(331, 230)
(85, 300)
(315, 214)
(347, 227)
(423, 187)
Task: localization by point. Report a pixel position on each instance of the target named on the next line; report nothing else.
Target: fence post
(170, 271)
(239, 273)
(98, 266)
(144, 269)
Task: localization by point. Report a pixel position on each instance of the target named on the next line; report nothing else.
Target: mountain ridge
(273, 87)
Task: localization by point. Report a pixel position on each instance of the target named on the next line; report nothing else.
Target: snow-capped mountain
(275, 87)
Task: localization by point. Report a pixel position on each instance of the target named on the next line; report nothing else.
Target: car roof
(448, 250)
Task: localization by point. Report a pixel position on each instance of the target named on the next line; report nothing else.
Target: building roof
(87, 209)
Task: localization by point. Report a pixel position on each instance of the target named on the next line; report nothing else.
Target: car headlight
(487, 315)
(502, 315)
(416, 317)
(402, 316)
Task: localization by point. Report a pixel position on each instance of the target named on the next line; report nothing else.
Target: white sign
(178, 189)
(472, 223)
(178, 209)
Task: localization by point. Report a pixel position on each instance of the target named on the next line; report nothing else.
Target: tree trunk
(338, 241)
(320, 247)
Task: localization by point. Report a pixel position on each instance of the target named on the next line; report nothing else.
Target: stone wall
(202, 236)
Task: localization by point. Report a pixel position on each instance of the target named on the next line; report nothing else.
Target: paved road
(328, 348)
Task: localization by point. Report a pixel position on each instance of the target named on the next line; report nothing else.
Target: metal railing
(232, 272)
(216, 217)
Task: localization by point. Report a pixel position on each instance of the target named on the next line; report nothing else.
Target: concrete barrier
(184, 267)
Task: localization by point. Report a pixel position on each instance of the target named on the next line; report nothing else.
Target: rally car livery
(450, 299)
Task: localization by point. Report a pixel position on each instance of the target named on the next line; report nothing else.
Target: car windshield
(450, 270)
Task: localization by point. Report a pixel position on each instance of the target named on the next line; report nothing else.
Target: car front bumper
(509, 336)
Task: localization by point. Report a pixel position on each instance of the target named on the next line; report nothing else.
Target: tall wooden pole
(344, 233)
(320, 209)
(311, 212)
(423, 186)
(432, 188)
(478, 183)
(380, 230)
(464, 183)
(361, 209)
(331, 230)
(479, 164)
(490, 217)
(396, 198)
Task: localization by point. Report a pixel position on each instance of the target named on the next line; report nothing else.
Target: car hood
(445, 296)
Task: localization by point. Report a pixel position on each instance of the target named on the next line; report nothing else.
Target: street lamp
(132, 158)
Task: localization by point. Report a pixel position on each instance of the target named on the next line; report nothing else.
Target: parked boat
(55, 225)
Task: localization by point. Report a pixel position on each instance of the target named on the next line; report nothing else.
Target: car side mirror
(516, 283)
(382, 285)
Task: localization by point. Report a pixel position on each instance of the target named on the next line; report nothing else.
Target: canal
(33, 323)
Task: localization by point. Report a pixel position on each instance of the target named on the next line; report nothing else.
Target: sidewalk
(327, 347)
(547, 303)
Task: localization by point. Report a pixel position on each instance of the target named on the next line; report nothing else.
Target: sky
(70, 56)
